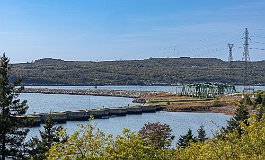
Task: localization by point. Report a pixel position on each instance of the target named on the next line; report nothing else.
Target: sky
(98, 30)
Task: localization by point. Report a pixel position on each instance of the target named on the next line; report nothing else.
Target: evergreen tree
(50, 135)
(185, 140)
(11, 136)
(201, 134)
(241, 115)
(247, 100)
(258, 99)
(261, 109)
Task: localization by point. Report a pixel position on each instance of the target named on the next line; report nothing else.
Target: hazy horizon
(68, 60)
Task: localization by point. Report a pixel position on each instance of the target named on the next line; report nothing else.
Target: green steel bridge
(206, 90)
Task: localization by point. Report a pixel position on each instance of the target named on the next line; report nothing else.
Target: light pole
(89, 99)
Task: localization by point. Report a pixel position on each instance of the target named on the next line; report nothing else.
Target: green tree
(261, 109)
(39, 147)
(248, 146)
(156, 134)
(201, 134)
(130, 146)
(258, 99)
(11, 135)
(263, 102)
(86, 143)
(241, 115)
(91, 143)
(185, 140)
(247, 100)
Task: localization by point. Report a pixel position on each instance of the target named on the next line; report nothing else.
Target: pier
(37, 119)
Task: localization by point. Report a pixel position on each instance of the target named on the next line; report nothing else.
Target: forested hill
(135, 72)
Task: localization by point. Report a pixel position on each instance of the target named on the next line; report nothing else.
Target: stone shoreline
(94, 92)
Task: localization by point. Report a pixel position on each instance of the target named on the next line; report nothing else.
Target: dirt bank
(224, 104)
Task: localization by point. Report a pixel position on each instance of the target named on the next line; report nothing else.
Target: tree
(247, 100)
(130, 146)
(156, 134)
(11, 136)
(86, 143)
(201, 134)
(263, 102)
(51, 134)
(261, 109)
(91, 143)
(248, 146)
(241, 115)
(185, 140)
(258, 99)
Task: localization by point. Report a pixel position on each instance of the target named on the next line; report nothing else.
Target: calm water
(171, 89)
(62, 102)
(179, 122)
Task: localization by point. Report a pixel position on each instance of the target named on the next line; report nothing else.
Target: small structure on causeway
(206, 90)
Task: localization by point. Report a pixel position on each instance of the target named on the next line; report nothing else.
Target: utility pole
(246, 59)
(230, 60)
(89, 99)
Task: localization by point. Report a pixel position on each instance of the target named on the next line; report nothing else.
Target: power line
(258, 36)
(259, 42)
(246, 59)
(258, 48)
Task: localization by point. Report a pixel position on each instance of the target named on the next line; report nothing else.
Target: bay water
(40, 103)
(180, 122)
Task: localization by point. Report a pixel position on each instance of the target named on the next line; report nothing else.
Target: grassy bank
(173, 103)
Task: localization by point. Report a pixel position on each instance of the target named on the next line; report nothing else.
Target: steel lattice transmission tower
(246, 59)
(230, 60)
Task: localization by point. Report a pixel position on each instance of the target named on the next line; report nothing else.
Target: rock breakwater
(94, 92)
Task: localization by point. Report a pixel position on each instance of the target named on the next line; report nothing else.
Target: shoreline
(94, 92)
(117, 85)
(202, 111)
(171, 102)
(225, 104)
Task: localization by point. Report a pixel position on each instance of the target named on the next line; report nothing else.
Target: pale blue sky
(129, 29)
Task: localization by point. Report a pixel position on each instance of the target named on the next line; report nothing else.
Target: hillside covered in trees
(151, 71)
